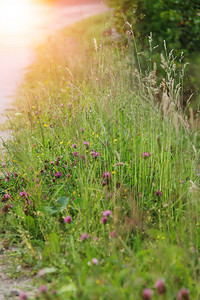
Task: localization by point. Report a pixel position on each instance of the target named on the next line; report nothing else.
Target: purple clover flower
(42, 289)
(75, 154)
(145, 154)
(107, 213)
(73, 146)
(183, 294)
(68, 175)
(113, 234)
(107, 177)
(23, 296)
(58, 175)
(6, 196)
(146, 294)
(103, 183)
(160, 286)
(86, 143)
(104, 220)
(159, 193)
(84, 236)
(95, 261)
(94, 154)
(68, 219)
(23, 194)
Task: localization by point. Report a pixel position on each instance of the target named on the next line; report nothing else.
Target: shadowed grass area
(100, 184)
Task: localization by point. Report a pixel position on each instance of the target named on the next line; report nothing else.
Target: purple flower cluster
(160, 286)
(68, 219)
(23, 194)
(86, 143)
(106, 214)
(107, 178)
(84, 236)
(159, 193)
(146, 294)
(145, 154)
(94, 154)
(183, 294)
(58, 175)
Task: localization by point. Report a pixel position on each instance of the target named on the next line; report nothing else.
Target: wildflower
(68, 175)
(52, 162)
(159, 193)
(183, 294)
(51, 125)
(103, 183)
(107, 213)
(42, 289)
(94, 154)
(181, 181)
(23, 296)
(104, 220)
(6, 196)
(86, 143)
(160, 285)
(113, 234)
(68, 219)
(75, 154)
(58, 175)
(146, 294)
(95, 261)
(82, 129)
(145, 154)
(45, 125)
(73, 146)
(84, 236)
(107, 176)
(23, 194)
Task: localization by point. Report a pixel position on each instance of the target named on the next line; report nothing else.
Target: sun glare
(15, 16)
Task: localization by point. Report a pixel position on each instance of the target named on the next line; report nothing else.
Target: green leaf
(62, 202)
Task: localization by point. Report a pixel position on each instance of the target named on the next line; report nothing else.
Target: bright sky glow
(15, 16)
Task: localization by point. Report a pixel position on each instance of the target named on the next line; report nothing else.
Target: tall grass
(85, 110)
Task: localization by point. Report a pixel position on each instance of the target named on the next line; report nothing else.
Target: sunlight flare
(15, 16)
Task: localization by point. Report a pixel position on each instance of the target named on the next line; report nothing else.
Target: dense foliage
(99, 186)
(176, 21)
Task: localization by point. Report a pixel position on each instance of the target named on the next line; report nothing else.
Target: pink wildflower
(160, 285)
(104, 220)
(42, 289)
(84, 236)
(146, 294)
(95, 261)
(159, 193)
(23, 296)
(68, 219)
(107, 213)
(183, 294)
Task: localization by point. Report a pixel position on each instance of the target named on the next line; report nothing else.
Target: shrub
(176, 21)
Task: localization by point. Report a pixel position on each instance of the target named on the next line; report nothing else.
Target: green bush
(176, 21)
